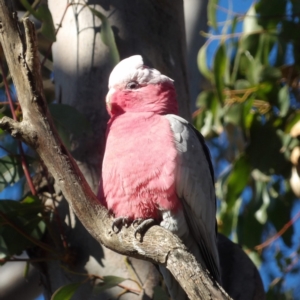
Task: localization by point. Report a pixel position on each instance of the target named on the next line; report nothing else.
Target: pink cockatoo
(156, 165)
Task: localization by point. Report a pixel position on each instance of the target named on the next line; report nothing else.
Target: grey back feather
(195, 189)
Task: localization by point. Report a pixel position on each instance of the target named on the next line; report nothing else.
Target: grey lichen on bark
(37, 129)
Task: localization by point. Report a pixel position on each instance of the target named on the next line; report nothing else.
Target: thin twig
(22, 155)
(25, 234)
(94, 276)
(31, 260)
(279, 233)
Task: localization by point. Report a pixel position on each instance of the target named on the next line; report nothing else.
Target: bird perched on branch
(156, 166)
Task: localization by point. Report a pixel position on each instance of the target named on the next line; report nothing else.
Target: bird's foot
(141, 226)
(119, 222)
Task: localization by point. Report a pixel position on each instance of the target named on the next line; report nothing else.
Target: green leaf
(279, 212)
(10, 171)
(48, 29)
(234, 23)
(26, 270)
(25, 216)
(250, 43)
(250, 23)
(2, 132)
(219, 68)
(243, 68)
(295, 118)
(212, 13)
(241, 84)
(43, 14)
(247, 114)
(268, 73)
(284, 100)
(205, 121)
(206, 99)
(108, 282)
(66, 292)
(233, 114)
(26, 4)
(237, 180)
(229, 218)
(31, 199)
(107, 36)
(202, 63)
(261, 214)
(249, 229)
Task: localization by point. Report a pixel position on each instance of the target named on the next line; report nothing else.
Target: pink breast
(139, 167)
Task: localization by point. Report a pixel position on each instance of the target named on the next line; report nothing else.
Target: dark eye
(132, 85)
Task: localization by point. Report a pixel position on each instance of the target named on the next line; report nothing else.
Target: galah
(156, 165)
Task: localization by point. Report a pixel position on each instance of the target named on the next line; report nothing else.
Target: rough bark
(38, 131)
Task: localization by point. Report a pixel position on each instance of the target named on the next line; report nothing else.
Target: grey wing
(195, 188)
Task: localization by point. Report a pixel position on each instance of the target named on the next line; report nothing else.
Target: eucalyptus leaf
(66, 292)
(219, 68)
(261, 214)
(292, 120)
(108, 282)
(107, 36)
(234, 114)
(270, 73)
(279, 213)
(211, 12)
(10, 171)
(43, 14)
(249, 229)
(48, 29)
(242, 84)
(250, 43)
(202, 62)
(24, 216)
(284, 100)
(237, 180)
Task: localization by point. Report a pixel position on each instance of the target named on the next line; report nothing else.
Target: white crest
(133, 69)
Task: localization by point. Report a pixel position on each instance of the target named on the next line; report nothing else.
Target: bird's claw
(142, 226)
(137, 222)
(119, 222)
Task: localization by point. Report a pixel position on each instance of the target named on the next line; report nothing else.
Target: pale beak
(108, 99)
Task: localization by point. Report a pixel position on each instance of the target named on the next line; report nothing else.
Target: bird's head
(134, 87)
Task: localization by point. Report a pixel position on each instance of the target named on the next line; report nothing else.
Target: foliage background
(248, 112)
(250, 115)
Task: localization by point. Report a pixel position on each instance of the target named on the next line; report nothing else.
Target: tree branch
(37, 130)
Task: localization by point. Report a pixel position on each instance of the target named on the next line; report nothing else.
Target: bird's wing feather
(195, 188)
